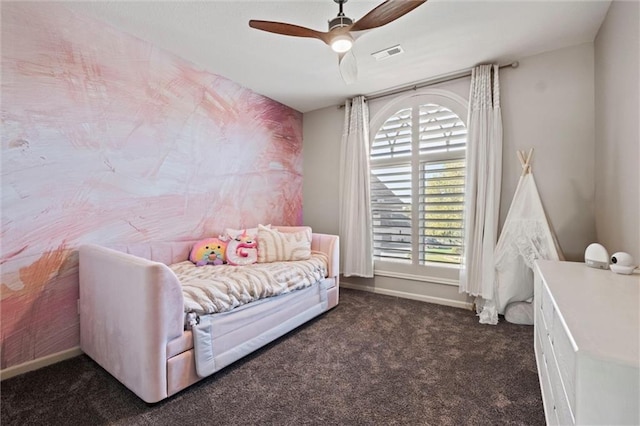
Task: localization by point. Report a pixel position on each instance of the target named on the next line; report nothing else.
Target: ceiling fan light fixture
(341, 27)
(342, 43)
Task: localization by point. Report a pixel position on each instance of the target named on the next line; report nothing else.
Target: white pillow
(276, 246)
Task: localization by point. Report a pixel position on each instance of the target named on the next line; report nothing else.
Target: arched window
(418, 179)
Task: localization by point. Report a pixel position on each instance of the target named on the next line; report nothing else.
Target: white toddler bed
(135, 314)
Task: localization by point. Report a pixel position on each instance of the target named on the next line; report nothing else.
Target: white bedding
(212, 289)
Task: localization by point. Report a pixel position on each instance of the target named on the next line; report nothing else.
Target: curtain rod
(448, 77)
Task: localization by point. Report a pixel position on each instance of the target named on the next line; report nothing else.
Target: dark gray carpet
(373, 360)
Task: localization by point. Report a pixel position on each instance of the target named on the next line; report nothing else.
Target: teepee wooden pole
(525, 162)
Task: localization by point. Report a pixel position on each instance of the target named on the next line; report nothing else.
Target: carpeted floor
(373, 360)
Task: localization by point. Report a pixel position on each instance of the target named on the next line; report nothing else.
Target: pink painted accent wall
(109, 139)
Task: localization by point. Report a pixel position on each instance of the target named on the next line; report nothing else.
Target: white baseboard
(16, 370)
(413, 296)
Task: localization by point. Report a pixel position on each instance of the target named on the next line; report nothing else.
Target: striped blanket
(212, 289)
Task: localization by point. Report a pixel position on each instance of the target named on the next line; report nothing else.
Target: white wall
(322, 131)
(548, 105)
(617, 72)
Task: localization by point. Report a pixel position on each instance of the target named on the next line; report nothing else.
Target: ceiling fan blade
(387, 12)
(289, 30)
(348, 67)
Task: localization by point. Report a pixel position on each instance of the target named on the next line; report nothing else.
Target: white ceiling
(439, 37)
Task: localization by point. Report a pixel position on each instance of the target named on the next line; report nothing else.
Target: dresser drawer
(565, 356)
(560, 401)
(546, 307)
(543, 375)
(537, 291)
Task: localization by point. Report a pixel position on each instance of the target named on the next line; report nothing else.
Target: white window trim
(431, 271)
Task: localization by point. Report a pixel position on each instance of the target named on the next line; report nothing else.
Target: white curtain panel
(355, 214)
(484, 176)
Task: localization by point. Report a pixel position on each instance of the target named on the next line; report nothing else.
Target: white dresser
(587, 344)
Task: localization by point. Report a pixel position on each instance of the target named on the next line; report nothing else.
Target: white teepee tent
(525, 237)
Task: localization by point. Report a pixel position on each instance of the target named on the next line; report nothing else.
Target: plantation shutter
(417, 186)
(441, 211)
(391, 189)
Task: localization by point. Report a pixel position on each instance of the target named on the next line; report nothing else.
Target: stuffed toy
(210, 251)
(242, 250)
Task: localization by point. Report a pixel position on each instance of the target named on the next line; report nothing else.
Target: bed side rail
(330, 245)
(130, 308)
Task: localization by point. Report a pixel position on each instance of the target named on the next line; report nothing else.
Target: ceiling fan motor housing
(339, 22)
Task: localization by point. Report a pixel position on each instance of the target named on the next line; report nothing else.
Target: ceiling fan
(341, 30)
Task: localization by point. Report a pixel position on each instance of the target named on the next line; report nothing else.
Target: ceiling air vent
(388, 52)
